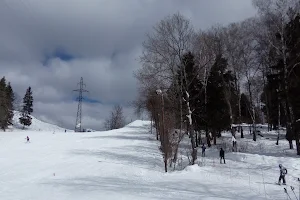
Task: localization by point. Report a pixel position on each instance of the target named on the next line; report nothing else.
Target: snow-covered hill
(37, 125)
(126, 164)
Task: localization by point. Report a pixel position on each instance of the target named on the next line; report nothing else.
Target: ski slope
(37, 125)
(125, 164)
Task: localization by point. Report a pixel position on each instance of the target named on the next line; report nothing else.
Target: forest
(194, 82)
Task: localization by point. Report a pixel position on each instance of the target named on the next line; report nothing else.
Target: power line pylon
(80, 97)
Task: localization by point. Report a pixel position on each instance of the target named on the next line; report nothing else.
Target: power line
(79, 110)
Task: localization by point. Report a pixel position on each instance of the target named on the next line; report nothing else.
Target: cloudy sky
(50, 44)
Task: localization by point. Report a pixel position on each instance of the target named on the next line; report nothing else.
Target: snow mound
(193, 168)
(37, 125)
(138, 123)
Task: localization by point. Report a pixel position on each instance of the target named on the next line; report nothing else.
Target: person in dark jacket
(203, 150)
(283, 172)
(222, 156)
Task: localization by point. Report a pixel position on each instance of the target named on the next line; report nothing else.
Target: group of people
(222, 153)
(283, 170)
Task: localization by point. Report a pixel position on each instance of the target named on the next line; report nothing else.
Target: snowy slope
(37, 125)
(125, 164)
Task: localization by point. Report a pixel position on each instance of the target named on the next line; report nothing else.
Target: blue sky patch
(87, 100)
(58, 53)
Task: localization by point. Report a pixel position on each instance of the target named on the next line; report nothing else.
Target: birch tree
(163, 51)
(250, 67)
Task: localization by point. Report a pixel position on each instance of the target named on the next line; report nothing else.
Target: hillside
(127, 164)
(37, 125)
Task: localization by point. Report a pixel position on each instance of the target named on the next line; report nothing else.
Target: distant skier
(283, 172)
(203, 150)
(233, 143)
(65, 130)
(27, 139)
(222, 156)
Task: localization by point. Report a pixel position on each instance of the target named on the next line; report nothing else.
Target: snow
(37, 125)
(159, 92)
(127, 164)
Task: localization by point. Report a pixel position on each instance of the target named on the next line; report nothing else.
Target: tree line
(8, 104)
(207, 80)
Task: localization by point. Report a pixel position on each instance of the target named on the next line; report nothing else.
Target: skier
(222, 155)
(203, 150)
(27, 138)
(233, 143)
(283, 172)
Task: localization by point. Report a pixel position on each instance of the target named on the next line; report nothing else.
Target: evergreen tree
(3, 104)
(25, 118)
(218, 117)
(6, 104)
(10, 99)
(274, 107)
(293, 52)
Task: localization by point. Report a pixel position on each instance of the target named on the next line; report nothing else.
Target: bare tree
(162, 54)
(232, 39)
(116, 120)
(250, 67)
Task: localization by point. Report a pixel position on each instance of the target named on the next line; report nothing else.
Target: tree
(3, 104)
(245, 109)
(6, 104)
(275, 15)
(218, 115)
(233, 52)
(27, 109)
(163, 51)
(10, 99)
(191, 87)
(116, 119)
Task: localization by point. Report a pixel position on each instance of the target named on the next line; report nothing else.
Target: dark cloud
(50, 44)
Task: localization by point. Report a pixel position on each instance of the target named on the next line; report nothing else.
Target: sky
(50, 44)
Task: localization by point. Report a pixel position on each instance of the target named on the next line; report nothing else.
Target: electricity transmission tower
(79, 110)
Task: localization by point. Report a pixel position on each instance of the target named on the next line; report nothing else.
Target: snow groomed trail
(126, 164)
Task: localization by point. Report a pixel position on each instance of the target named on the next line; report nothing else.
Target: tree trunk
(207, 138)
(164, 133)
(191, 128)
(215, 137)
(194, 148)
(240, 114)
(196, 139)
(267, 100)
(254, 132)
(242, 132)
(252, 111)
(296, 135)
(297, 142)
(277, 142)
(151, 131)
(291, 144)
